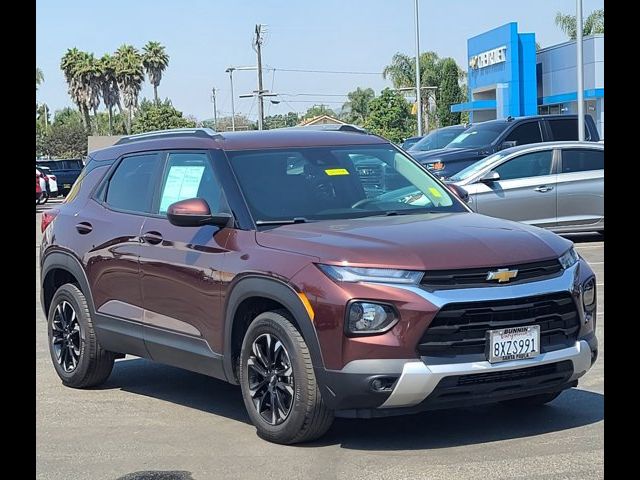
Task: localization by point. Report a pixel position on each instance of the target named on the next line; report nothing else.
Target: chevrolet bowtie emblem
(502, 275)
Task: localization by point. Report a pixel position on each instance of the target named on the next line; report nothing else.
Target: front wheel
(278, 384)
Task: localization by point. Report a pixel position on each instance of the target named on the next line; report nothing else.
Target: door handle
(152, 238)
(543, 188)
(83, 228)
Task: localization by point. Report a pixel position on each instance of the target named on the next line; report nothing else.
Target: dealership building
(508, 77)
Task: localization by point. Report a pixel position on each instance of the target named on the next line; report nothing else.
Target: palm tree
(109, 86)
(155, 60)
(129, 75)
(358, 104)
(69, 66)
(39, 77)
(87, 72)
(594, 23)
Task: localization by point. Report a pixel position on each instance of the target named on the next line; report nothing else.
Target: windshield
(475, 167)
(437, 139)
(478, 135)
(322, 183)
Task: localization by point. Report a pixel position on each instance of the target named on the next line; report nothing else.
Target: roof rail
(330, 127)
(173, 132)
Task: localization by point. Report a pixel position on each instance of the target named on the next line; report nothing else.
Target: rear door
(581, 187)
(525, 192)
(525, 133)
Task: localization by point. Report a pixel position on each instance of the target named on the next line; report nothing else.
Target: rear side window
(190, 175)
(582, 160)
(526, 133)
(566, 129)
(533, 164)
(132, 184)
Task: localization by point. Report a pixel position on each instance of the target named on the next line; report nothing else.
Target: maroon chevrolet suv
(324, 271)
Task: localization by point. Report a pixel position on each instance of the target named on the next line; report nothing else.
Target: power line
(340, 72)
(314, 94)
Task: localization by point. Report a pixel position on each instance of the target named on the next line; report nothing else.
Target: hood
(446, 154)
(418, 242)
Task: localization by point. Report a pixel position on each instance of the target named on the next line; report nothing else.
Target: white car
(52, 180)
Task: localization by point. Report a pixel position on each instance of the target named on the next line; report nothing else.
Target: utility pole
(233, 110)
(257, 46)
(418, 99)
(215, 113)
(579, 68)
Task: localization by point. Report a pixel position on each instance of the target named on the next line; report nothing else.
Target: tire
(533, 400)
(307, 417)
(45, 197)
(85, 363)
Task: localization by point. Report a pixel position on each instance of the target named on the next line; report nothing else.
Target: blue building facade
(507, 77)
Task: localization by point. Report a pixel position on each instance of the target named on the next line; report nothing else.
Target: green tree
(390, 116)
(317, 110)
(39, 77)
(155, 60)
(69, 66)
(357, 106)
(159, 117)
(290, 119)
(225, 125)
(65, 140)
(449, 93)
(129, 75)
(109, 87)
(594, 23)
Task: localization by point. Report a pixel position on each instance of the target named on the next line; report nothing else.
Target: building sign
(490, 57)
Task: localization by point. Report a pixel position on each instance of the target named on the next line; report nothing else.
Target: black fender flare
(255, 285)
(65, 261)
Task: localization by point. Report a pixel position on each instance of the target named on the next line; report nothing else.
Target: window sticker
(434, 191)
(182, 182)
(336, 171)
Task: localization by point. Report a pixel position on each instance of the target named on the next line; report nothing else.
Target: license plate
(67, 185)
(515, 343)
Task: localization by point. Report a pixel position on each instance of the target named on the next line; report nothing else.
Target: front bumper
(417, 386)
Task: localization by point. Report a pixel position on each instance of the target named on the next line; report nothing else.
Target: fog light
(365, 318)
(589, 293)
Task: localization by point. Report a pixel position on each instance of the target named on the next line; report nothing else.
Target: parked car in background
(66, 171)
(486, 138)
(51, 181)
(556, 185)
(409, 142)
(264, 259)
(40, 187)
(438, 138)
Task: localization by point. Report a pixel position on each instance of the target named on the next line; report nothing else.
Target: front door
(525, 192)
(179, 268)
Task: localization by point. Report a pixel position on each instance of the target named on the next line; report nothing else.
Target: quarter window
(526, 133)
(189, 175)
(533, 164)
(582, 160)
(131, 185)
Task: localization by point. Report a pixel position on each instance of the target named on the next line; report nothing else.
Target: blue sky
(204, 37)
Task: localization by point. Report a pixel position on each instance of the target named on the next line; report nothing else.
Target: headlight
(589, 293)
(569, 259)
(378, 275)
(366, 318)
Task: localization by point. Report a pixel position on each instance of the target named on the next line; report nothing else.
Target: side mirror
(459, 192)
(490, 177)
(509, 144)
(195, 212)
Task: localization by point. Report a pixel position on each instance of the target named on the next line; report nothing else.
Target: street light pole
(215, 113)
(579, 68)
(418, 99)
(233, 110)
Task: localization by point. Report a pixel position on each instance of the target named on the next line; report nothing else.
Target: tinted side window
(582, 160)
(190, 175)
(131, 185)
(564, 129)
(528, 165)
(526, 133)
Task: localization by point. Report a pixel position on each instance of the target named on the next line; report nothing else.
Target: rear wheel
(533, 400)
(79, 359)
(278, 384)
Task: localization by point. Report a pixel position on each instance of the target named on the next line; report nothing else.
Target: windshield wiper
(282, 222)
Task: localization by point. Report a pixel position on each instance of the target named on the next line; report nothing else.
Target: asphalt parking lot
(153, 418)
